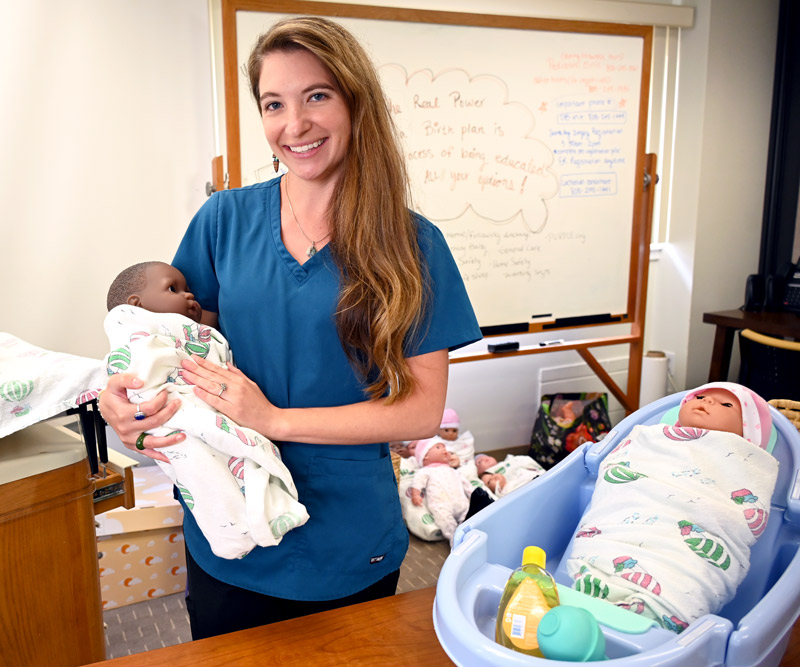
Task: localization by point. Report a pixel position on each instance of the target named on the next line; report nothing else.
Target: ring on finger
(222, 387)
(140, 441)
(139, 415)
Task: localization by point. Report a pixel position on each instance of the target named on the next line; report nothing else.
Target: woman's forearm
(412, 418)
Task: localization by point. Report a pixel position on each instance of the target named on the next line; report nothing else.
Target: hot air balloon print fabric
(36, 384)
(672, 518)
(231, 478)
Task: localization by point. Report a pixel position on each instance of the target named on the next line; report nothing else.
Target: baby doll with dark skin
(231, 478)
(156, 287)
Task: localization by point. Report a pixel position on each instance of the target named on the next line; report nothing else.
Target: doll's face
(713, 409)
(484, 463)
(437, 454)
(166, 292)
(495, 481)
(448, 433)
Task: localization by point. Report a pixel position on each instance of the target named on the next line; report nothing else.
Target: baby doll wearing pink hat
(424, 446)
(756, 418)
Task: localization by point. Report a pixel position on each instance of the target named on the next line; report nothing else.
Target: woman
(340, 306)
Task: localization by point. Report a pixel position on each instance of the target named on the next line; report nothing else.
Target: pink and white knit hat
(756, 419)
(424, 446)
(450, 419)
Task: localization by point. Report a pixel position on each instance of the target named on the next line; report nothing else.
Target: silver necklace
(312, 249)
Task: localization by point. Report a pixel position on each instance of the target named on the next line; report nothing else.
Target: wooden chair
(769, 366)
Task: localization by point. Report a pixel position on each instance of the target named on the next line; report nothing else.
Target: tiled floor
(164, 621)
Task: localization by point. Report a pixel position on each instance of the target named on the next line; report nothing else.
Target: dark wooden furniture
(392, 631)
(781, 324)
(51, 613)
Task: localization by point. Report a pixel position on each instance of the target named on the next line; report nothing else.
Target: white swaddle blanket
(518, 469)
(231, 478)
(36, 384)
(671, 521)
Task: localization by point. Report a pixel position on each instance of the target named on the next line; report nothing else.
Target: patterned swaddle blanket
(230, 477)
(36, 384)
(671, 521)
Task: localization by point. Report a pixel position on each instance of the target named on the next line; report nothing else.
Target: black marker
(551, 343)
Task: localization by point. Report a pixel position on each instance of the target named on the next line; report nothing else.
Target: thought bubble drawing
(469, 147)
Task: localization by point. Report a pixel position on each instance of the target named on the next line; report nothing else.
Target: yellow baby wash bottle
(529, 594)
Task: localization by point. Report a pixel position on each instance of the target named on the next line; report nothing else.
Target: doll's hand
(232, 393)
(119, 413)
(416, 498)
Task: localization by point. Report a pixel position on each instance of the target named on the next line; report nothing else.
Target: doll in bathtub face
(712, 409)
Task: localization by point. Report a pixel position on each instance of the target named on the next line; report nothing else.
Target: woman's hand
(232, 393)
(119, 413)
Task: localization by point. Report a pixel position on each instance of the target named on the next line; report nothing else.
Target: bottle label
(523, 613)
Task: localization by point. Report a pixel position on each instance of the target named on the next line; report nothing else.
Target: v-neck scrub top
(278, 317)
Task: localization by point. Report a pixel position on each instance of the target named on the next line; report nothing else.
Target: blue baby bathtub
(753, 629)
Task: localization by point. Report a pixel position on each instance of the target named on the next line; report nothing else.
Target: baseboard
(500, 454)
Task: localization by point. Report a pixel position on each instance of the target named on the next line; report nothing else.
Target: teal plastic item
(571, 634)
(606, 613)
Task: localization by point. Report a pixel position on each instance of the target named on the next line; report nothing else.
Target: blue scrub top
(278, 318)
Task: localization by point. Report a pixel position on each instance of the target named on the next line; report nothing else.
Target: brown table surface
(781, 324)
(392, 631)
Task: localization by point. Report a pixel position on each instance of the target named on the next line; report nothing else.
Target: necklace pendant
(312, 250)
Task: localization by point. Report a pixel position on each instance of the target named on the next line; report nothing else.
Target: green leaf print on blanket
(711, 550)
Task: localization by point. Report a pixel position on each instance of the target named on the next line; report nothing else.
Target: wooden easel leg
(601, 372)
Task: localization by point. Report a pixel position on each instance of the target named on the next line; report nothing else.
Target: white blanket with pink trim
(671, 521)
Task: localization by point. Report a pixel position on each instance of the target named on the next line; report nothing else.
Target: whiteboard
(524, 147)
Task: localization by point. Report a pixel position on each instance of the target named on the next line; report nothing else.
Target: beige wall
(107, 133)
(725, 102)
(106, 136)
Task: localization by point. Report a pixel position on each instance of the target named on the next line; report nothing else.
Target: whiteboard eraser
(511, 346)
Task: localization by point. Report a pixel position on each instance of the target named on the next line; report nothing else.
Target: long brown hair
(374, 237)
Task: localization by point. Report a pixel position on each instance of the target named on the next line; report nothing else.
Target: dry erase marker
(550, 343)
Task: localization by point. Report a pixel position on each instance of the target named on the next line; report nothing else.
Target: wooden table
(782, 324)
(391, 631)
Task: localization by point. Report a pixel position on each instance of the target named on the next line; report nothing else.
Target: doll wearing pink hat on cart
(677, 507)
(446, 491)
(458, 443)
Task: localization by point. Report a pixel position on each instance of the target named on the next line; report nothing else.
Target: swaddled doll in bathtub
(230, 477)
(676, 509)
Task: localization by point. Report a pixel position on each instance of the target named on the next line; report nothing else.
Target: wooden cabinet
(50, 609)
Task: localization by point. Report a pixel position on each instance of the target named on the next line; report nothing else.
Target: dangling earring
(275, 162)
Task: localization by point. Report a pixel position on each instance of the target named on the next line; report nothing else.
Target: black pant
(477, 501)
(216, 608)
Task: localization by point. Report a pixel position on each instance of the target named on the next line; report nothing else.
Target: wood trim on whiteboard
(232, 74)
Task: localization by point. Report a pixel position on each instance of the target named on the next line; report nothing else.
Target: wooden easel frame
(629, 399)
(645, 163)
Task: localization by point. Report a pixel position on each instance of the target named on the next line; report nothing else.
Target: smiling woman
(341, 306)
